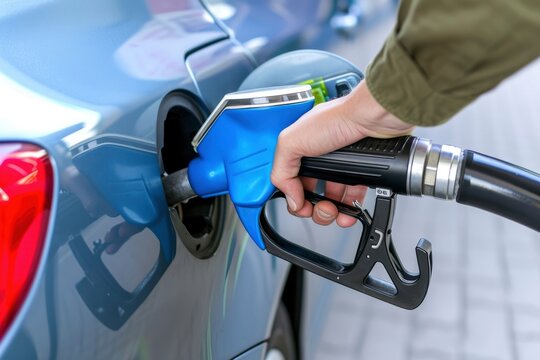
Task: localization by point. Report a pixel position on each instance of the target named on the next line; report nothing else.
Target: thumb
(294, 193)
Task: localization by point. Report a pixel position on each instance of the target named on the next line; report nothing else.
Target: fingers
(334, 190)
(351, 194)
(344, 194)
(324, 213)
(309, 183)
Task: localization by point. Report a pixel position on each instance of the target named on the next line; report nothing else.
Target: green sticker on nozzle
(318, 89)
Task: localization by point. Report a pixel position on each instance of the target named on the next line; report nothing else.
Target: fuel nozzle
(405, 165)
(236, 148)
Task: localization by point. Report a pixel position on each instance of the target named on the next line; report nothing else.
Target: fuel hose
(501, 188)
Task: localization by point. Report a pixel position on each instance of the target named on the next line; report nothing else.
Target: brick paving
(484, 301)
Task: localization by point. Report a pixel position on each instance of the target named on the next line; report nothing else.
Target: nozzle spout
(177, 187)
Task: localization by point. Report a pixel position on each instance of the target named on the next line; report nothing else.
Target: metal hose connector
(434, 170)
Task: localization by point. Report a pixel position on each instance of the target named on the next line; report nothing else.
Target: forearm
(444, 54)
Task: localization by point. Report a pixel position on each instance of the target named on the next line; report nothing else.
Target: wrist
(370, 117)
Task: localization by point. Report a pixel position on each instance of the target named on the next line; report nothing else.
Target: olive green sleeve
(443, 54)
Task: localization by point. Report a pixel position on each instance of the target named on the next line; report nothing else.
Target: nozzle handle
(405, 289)
(382, 163)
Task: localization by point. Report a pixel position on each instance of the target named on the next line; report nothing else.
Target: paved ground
(484, 301)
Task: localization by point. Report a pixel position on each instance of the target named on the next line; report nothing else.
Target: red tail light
(26, 185)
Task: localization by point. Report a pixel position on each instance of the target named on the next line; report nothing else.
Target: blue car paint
(111, 54)
(252, 354)
(267, 28)
(235, 62)
(72, 73)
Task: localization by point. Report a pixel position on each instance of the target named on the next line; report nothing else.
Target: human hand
(328, 127)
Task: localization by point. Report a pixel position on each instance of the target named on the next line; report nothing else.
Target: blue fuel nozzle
(236, 148)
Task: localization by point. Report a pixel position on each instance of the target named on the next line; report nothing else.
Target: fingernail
(323, 214)
(291, 203)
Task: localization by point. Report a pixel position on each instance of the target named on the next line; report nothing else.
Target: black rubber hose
(501, 188)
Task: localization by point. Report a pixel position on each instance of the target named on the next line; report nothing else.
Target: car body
(113, 92)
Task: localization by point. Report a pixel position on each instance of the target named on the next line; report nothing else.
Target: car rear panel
(85, 82)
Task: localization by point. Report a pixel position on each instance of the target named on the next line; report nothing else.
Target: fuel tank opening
(179, 118)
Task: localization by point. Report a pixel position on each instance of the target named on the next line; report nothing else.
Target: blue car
(98, 100)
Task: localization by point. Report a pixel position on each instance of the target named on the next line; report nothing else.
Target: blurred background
(484, 299)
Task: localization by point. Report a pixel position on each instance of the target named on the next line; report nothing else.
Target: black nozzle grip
(371, 162)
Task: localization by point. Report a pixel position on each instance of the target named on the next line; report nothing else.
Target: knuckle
(275, 178)
(284, 139)
(281, 138)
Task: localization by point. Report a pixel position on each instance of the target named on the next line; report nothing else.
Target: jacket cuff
(401, 87)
